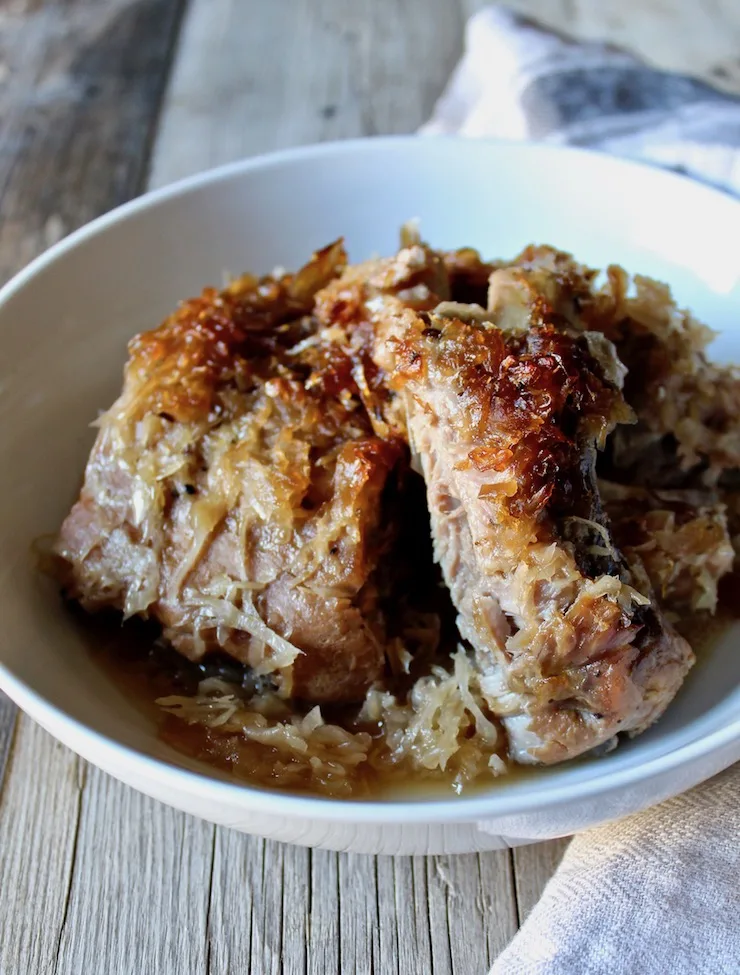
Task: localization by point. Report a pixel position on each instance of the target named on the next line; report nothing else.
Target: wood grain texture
(533, 867)
(8, 714)
(276, 908)
(39, 811)
(83, 81)
(300, 71)
(96, 878)
(151, 866)
(472, 910)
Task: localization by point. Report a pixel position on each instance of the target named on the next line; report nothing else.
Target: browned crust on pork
(238, 480)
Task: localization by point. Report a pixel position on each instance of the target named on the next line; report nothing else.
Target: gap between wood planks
(81, 768)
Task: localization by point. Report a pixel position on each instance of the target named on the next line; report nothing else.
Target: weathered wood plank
(8, 715)
(359, 928)
(405, 936)
(84, 80)
(533, 867)
(257, 868)
(276, 909)
(300, 71)
(471, 910)
(498, 900)
(80, 92)
(323, 913)
(139, 886)
(39, 809)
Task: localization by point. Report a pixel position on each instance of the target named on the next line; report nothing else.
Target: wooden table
(100, 99)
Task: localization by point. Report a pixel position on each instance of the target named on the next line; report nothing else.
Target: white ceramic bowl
(64, 323)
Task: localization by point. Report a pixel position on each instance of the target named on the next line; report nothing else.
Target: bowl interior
(65, 322)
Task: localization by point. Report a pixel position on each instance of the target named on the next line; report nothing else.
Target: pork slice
(230, 498)
(505, 425)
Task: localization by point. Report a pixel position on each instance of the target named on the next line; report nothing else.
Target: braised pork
(504, 418)
(233, 499)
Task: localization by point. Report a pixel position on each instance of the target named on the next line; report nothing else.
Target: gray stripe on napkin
(554, 102)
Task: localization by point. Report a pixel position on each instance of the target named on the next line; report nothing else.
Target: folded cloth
(518, 81)
(654, 894)
(658, 892)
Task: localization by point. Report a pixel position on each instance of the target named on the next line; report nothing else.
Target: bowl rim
(117, 759)
(490, 804)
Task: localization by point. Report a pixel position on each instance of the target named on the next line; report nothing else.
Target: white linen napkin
(657, 893)
(518, 81)
(654, 894)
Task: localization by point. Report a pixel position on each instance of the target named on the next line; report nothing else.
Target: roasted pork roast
(577, 449)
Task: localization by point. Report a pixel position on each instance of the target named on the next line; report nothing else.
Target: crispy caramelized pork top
(686, 406)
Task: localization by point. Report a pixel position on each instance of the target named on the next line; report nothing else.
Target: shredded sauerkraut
(443, 726)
